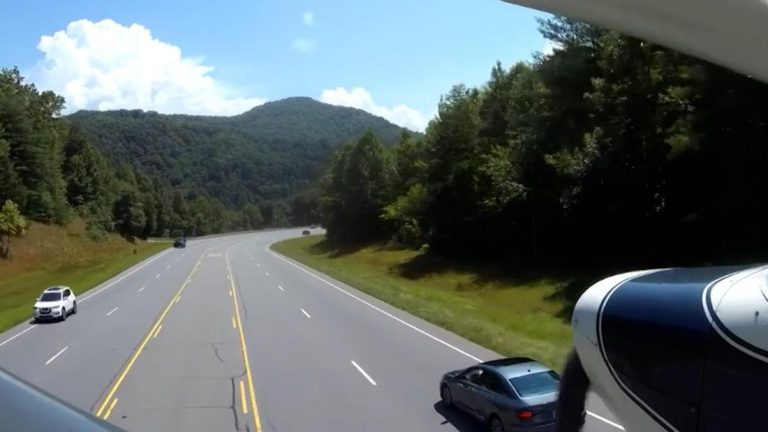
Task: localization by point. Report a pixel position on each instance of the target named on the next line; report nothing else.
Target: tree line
(51, 171)
(610, 151)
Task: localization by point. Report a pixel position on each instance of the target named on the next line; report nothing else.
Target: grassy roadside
(513, 316)
(50, 255)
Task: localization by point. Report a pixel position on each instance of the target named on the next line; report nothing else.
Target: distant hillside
(267, 153)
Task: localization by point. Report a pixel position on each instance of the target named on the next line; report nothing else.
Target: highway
(226, 335)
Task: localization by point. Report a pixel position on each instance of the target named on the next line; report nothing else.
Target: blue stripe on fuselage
(653, 333)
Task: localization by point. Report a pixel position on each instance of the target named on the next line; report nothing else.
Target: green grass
(508, 314)
(81, 264)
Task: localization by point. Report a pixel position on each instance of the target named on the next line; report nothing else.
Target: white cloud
(308, 18)
(304, 44)
(550, 47)
(105, 65)
(359, 97)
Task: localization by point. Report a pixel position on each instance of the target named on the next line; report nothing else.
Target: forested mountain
(146, 174)
(611, 151)
(268, 153)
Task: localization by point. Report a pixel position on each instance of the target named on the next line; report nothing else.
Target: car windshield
(51, 296)
(536, 384)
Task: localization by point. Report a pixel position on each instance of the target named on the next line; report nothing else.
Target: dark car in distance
(509, 395)
(180, 243)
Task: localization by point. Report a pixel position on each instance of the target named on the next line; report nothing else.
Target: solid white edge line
(57, 354)
(112, 311)
(376, 308)
(359, 369)
(124, 276)
(109, 285)
(614, 424)
(305, 313)
(19, 334)
(435, 338)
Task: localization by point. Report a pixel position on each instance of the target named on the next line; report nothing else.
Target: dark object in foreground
(512, 394)
(180, 243)
(21, 401)
(305, 232)
(573, 395)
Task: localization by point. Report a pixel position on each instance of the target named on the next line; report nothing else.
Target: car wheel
(74, 308)
(445, 395)
(63, 314)
(495, 425)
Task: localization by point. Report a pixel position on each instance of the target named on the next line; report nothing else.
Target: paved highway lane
(161, 348)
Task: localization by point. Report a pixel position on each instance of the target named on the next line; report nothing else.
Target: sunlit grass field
(53, 255)
(492, 307)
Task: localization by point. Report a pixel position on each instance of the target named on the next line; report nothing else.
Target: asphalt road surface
(227, 335)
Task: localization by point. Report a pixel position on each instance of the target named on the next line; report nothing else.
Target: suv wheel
(74, 308)
(63, 314)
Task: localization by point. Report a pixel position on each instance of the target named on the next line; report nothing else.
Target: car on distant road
(180, 243)
(509, 395)
(55, 303)
(306, 232)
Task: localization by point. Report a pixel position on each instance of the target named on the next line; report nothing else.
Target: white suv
(55, 303)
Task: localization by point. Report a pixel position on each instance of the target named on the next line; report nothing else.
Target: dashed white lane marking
(141, 289)
(168, 266)
(57, 354)
(111, 284)
(266, 273)
(112, 311)
(305, 313)
(376, 308)
(157, 275)
(281, 288)
(359, 369)
(105, 287)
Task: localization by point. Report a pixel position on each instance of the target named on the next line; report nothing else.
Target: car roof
(56, 288)
(515, 366)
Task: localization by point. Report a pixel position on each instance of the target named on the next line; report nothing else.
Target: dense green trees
(357, 188)
(146, 174)
(11, 223)
(611, 150)
(269, 153)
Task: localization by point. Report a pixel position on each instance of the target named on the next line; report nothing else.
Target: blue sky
(394, 58)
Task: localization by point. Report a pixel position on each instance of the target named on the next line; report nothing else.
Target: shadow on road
(462, 422)
(43, 322)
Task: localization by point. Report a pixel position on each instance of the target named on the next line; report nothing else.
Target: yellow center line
(177, 299)
(157, 331)
(109, 411)
(244, 349)
(242, 397)
(144, 342)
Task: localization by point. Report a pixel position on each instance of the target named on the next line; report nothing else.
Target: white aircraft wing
(731, 33)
